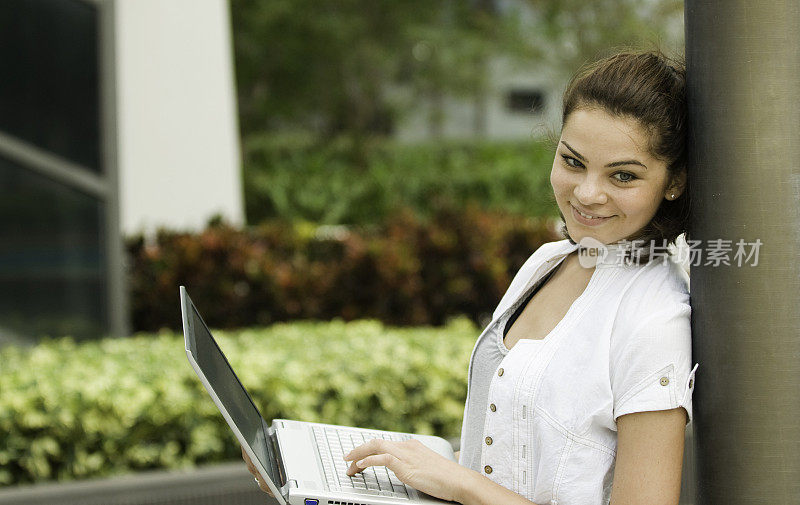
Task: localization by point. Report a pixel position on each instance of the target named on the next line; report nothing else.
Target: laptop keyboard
(334, 443)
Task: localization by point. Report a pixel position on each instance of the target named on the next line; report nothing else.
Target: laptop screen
(229, 390)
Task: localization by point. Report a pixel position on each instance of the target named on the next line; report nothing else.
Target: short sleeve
(651, 364)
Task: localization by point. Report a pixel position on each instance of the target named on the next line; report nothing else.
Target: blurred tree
(333, 67)
(564, 34)
(349, 67)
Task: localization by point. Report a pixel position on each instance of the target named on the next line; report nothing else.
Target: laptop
(301, 462)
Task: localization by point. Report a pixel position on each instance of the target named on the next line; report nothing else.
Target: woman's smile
(587, 219)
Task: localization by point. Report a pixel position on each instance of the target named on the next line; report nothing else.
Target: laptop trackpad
(299, 454)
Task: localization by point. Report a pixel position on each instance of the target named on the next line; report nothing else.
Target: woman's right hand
(261, 484)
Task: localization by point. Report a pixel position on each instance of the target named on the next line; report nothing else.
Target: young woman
(579, 390)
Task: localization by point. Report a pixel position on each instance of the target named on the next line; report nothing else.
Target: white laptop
(301, 462)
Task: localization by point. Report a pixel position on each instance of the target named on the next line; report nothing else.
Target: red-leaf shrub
(404, 272)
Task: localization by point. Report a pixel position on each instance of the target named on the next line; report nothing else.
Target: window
(50, 93)
(52, 265)
(523, 100)
(59, 274)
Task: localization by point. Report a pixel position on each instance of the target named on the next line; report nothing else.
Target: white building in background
(116, 117)
(520, 103)
(523, 99)
(177, 126)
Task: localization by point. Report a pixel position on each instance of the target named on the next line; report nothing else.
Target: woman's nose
(590, 192)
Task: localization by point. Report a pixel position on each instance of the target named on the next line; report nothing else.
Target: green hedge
(71, 411)
(296, 179)
(406, 272)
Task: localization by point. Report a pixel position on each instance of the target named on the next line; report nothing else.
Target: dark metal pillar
(743, 67)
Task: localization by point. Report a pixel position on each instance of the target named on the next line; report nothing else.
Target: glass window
(49, 76)
(52, 258)
(525, 100)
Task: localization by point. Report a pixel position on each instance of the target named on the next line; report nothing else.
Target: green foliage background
(405, 273)
(294, 178)
(70, 411)
(354, 67)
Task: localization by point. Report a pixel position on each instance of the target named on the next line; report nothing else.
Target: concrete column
(743, 62)
(178, 148)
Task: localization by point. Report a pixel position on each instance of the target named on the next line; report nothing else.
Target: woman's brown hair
(650, 87)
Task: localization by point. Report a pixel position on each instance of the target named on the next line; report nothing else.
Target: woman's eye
(627, 177)
(569, 159)
(630, 176)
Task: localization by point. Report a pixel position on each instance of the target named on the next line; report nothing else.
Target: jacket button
(493, 407)
(487, 469)
(488, 440)
(500, 372)
(664, 381)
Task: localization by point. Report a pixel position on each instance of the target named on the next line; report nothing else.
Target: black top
(528, 299)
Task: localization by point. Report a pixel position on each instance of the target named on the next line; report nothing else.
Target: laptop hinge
(277, 461)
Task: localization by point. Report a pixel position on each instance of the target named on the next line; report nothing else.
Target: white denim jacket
(623, 346)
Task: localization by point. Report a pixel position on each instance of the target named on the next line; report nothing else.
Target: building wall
(502, 122)
(505, 122)
(178, 141)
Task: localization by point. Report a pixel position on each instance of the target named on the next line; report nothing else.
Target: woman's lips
(587, 221)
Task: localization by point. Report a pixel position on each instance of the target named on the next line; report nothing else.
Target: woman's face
(603, 168)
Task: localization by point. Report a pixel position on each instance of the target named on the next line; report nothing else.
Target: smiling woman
(606, 182)
(626, 112)
(580, 388)
(592, 409)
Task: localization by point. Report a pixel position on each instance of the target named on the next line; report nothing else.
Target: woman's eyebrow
(610, 165)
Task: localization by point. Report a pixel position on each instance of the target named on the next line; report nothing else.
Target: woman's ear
(677, 187)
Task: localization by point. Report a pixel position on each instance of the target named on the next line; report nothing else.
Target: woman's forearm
(477, 489)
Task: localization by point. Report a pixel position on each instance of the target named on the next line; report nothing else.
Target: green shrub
(296, 179)
(71, 411)
(405, 272)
